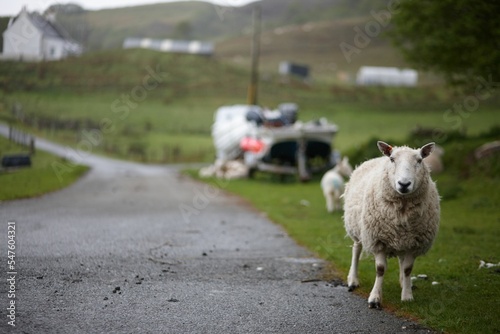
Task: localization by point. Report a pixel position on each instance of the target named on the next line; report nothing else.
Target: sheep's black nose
(404, 185)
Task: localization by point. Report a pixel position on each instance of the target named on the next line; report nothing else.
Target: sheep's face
(344, 167)
(406, 169)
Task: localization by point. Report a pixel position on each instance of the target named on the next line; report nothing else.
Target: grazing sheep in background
(332, 184)
(434, 160)
(391, 208)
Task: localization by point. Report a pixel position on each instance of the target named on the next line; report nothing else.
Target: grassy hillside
(116, 71)
(316, 45)
(309, 33)
(105, 29)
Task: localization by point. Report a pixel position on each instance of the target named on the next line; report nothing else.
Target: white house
(32, 37)
(386, 76)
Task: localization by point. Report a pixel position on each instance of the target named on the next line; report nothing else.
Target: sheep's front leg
(330, 206)
(405, 268)
(352, 278)
(376, 295)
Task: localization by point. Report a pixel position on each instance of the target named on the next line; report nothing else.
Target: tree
(459, 39)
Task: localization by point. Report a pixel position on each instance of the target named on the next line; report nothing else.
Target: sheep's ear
(385, 148)
(426, 150)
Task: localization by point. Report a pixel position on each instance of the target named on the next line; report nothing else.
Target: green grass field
(466, 300)
(180, 130)
(159, 108)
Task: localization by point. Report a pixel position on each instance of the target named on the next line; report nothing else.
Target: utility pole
(253, 87)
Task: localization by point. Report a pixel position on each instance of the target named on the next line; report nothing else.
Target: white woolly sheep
(332, 184)
(391, 208)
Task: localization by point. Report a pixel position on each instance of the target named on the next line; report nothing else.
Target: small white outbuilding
(170, 45)
(386, 76)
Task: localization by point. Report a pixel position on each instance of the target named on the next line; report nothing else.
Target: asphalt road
(140, 249)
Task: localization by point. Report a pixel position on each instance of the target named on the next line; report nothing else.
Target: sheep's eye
(392, 159)
(419, 161)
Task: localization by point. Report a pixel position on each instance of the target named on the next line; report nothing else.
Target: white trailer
(386, 76)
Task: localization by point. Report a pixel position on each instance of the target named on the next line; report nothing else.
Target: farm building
(33, 37)
(287, 68)
(168, 45)
(386, 76)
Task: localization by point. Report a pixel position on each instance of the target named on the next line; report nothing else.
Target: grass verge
(35, 180)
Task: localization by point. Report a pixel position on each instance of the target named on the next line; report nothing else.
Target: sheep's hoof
(375, 305)
(351, 288)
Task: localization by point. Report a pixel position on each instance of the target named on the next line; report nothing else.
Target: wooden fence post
(32, 146)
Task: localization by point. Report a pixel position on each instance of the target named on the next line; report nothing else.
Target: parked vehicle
(274, 140)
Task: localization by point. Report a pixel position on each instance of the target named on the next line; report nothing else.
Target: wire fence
(22, 138)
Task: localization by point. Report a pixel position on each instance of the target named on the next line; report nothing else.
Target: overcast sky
(13, 7)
